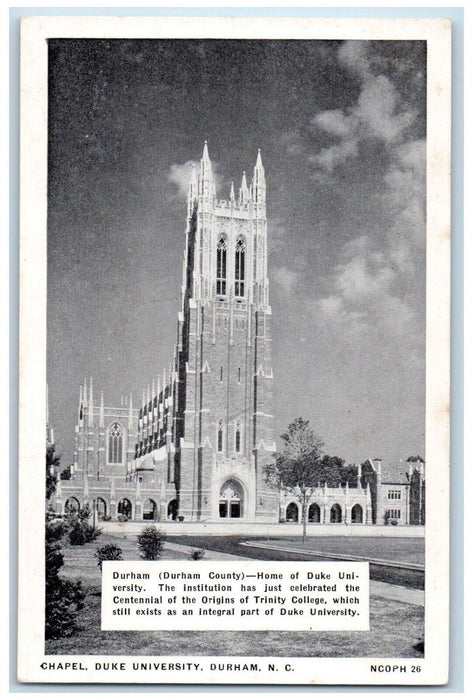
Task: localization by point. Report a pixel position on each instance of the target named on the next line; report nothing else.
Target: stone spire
(259, 184)
(85, 393)
(244, 189)
(232, 193)
(206, 180)
(102, 412)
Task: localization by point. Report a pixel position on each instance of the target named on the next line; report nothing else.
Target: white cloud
(353, 55)
(376, 111)
(329, 158)
(333, 121)
(180, 174)
(374, 117)
(356, 280)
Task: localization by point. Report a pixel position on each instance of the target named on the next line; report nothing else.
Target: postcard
(234, 351)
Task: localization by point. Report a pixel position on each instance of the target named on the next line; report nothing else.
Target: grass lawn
(404, 550)
(395, 626)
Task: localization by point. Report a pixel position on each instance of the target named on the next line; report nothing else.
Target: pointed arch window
(220, 436)
(240, 268)
(222, 265)
(238, 436)
(115, 444)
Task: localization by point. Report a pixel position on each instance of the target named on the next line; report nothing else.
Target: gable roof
(395, 472)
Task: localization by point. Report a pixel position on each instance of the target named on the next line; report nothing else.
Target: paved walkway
(242, 528)
(210, 555)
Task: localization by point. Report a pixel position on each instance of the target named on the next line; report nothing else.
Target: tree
(330, 470)
(297, 466)
(52, 461)
(64, 599)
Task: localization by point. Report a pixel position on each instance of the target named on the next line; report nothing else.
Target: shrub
(393, 522)
(64, 598)
(80, 531)
(122, 518)
(150, 542)
(197, 554)
(108, 552)
(386, 517)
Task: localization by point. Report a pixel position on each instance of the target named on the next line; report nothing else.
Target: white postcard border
(32, 325)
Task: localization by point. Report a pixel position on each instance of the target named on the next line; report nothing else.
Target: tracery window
(115, 444)
(240, 268)
(222, 266)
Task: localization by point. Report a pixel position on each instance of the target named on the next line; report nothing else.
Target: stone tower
(223, 431)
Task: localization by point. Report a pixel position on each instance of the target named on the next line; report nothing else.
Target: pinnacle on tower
(206, 180)
(259, 162)
(244, 189)
(205, 154)
(102, 412)
(232, 193)
(259, 183)
(91, 404)
(85, 393)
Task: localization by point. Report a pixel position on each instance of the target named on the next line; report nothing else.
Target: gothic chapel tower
(223, 417)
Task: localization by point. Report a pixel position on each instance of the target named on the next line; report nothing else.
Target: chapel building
(197, 447)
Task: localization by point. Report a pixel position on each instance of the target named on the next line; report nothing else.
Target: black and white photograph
(236, 350)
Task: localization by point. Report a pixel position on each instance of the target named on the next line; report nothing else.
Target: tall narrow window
(115, 444)
(222, 266)
(239, 375)
(221, 374)
(220, 436)
(238, 437)
(240, 268)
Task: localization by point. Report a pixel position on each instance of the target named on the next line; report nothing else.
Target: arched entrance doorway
(292, 513)
(72, 505)
(150, 510)
(314, 513)
(172, 509)
(231, 500)
(101, 509)
(335, 514)
(357, 514)
(124, 508)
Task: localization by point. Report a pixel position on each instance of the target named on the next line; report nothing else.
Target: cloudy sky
(341, 127)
